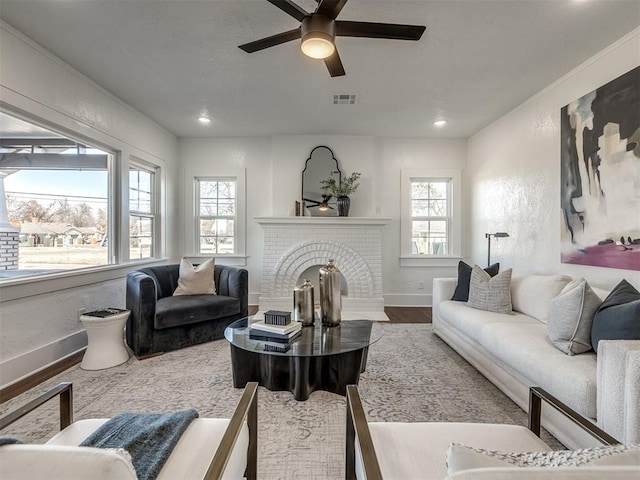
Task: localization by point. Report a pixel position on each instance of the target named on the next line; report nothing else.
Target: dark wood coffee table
(321, 358)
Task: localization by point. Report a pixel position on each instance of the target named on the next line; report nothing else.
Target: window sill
(28, 286)
(428, 261)
(233, 260)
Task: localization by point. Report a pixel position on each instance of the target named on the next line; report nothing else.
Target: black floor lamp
(488, 237)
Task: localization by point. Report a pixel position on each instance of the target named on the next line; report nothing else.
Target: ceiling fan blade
(290, 8)
(334, 65)
(379, 30)
(330, 8)
(271, 41)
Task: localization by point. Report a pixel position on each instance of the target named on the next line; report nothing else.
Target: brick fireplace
(297, 245)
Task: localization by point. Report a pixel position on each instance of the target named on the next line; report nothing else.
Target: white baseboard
(254, 298)
(407, 300)
(28, 363)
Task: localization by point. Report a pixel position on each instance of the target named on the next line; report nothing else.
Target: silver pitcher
(303, 311)
(330, 294)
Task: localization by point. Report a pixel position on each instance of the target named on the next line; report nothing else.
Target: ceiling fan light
(318, 45)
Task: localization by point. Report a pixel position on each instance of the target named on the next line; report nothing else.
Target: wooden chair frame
(247, 408)
(358, 428)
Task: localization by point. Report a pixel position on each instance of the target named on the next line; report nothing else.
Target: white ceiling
(171, 60)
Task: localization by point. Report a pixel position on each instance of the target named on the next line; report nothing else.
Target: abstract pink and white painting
(600, 173)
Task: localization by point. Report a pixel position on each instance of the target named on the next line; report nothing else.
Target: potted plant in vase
(341, 191)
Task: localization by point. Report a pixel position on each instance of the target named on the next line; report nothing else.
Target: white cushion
(632, 398)
(471, 320)
(527, 349)
(571, 316)
(196, 280)
(56, 462)
(408, 451)
(192, 454)
(530, 294)
(619, 389)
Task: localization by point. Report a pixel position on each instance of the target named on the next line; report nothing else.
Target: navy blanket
(9, 441)
(148, 437)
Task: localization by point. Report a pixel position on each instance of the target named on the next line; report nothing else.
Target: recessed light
(204, 119)
(440, 123)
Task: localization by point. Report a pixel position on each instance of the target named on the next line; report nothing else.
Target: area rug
(411, 376)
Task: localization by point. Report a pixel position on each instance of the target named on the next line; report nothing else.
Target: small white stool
(106, 346)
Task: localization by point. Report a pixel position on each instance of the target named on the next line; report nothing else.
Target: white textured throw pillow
(196, 280)
(460, 457)
(571, 316)
(490, 293)
(530, 294)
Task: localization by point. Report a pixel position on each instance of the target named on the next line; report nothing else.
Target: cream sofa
(514, 352)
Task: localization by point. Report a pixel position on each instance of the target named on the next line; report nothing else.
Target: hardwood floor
(21, 386)
(408, 314)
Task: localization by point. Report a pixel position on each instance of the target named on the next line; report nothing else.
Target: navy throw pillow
(464, 279)
(618, 318)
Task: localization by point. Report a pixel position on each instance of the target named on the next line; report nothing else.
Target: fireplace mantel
(328, 221)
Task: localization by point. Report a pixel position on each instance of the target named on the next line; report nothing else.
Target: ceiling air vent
(345, 99)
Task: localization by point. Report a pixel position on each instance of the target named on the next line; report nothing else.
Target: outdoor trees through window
(430, 216)
(142, 212)
(56, 197)
(216, 210)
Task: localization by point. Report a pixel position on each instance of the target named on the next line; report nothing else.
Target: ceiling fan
(319, 29)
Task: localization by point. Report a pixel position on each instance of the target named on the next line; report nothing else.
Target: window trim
(12, 288)
(155, 171)
(200, 217)
(29, 286)
(114, 202)
(191, 229)
(407, 257)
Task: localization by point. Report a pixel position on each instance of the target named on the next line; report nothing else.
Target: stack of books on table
(275, 333)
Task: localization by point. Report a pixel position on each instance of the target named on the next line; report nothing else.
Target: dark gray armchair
(160, 322)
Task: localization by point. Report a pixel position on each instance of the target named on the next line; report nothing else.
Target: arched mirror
(320, 165)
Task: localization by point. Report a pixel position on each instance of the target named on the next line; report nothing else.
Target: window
(57, 195)
(216, 215)
(431, 217)
(142, 212)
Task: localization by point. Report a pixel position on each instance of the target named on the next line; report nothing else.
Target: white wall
(274, 182)
(209, 156)
(514, 174)
(402, 285)
(38, 320)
